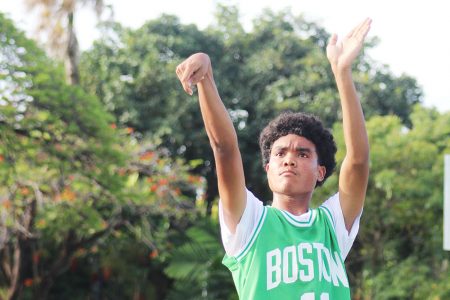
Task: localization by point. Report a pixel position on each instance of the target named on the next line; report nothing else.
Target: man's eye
(279, 154)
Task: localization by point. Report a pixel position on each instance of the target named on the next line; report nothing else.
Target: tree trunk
(15, 286)
(73, 53)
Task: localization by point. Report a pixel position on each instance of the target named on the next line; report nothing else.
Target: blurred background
(107, 179)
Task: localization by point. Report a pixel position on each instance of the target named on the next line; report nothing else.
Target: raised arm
(354, 171)
(197, 70)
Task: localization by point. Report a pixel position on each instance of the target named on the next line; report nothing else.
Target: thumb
(333, 40)
(197, 77)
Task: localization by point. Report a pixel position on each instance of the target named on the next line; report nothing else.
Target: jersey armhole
(329, 215)
(254, 235)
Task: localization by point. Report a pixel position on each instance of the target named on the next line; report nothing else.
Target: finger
(191, 68)
(355, 30)
(197, 77)
(350, 34)
(332, 40)
(364, 29)
(185, 76)
(187, 86)
(180, 71)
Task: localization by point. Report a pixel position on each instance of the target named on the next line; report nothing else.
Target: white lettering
(339, 271)
(311, 296)
(307, 296)
(273, 267)
(290, 258)
(297, 263)
(308, 275)
(318, 247)
(326, 274)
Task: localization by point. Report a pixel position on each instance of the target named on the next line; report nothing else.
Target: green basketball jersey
(289, 259)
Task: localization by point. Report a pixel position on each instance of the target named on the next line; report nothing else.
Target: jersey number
(311, 296)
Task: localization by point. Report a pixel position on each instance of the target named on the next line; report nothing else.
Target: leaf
(132, 179)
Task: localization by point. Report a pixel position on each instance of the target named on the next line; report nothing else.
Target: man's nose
(289, 161)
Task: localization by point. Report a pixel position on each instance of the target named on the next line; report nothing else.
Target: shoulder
(332, 209)
(253, 216)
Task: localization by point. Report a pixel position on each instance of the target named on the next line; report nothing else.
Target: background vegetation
(107, 186)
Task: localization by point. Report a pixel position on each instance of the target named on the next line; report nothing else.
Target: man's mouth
(288, 172)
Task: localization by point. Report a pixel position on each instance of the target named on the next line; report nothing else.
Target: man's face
(293, 167)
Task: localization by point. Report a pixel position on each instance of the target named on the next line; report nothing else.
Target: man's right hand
(193, 70)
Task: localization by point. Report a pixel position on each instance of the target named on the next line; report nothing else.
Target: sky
(413, 34)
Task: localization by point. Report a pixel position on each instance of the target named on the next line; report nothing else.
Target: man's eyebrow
(280, 147)
(303, 149)
(298, 149)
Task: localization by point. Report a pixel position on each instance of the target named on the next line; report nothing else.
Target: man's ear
(266, 167)
(321, 172)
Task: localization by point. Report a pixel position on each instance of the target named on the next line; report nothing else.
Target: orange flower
(41, 223)
(163, 181)
(113, 126)
(28, 282)
(193, 179)
(25, 191)
(68, 194)
(147, 155)
(2, 158)
(106, 272)
(36, 257)
(6, 203)
(153, 254)
(130, 130)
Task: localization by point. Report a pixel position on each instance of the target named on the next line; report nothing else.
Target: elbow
(359, 159)
(224, 148)
(359, 155)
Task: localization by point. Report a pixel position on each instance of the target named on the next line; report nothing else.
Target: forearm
(223, 139)
(355, 167)
(218, 124)
(353, 176)
(197, 70)
(355, 134)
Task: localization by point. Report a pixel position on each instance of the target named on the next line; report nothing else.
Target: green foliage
(97, 193)
(197, 267)
(279, 65)
(72, 180)
(398, 252)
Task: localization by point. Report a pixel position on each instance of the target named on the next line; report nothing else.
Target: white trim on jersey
(236, 243)
(345, 238)
(304, 220)
(255, 233)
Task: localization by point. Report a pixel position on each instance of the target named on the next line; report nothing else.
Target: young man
(289, 251)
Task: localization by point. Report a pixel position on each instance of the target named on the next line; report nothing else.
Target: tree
(400, 240)
(407, 182)
(196, 265)
(57, 18)
(70, 178)
(279, 65)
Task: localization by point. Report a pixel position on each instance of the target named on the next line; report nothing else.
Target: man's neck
(296, 205)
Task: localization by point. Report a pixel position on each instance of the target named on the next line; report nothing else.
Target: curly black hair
(307, 126)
